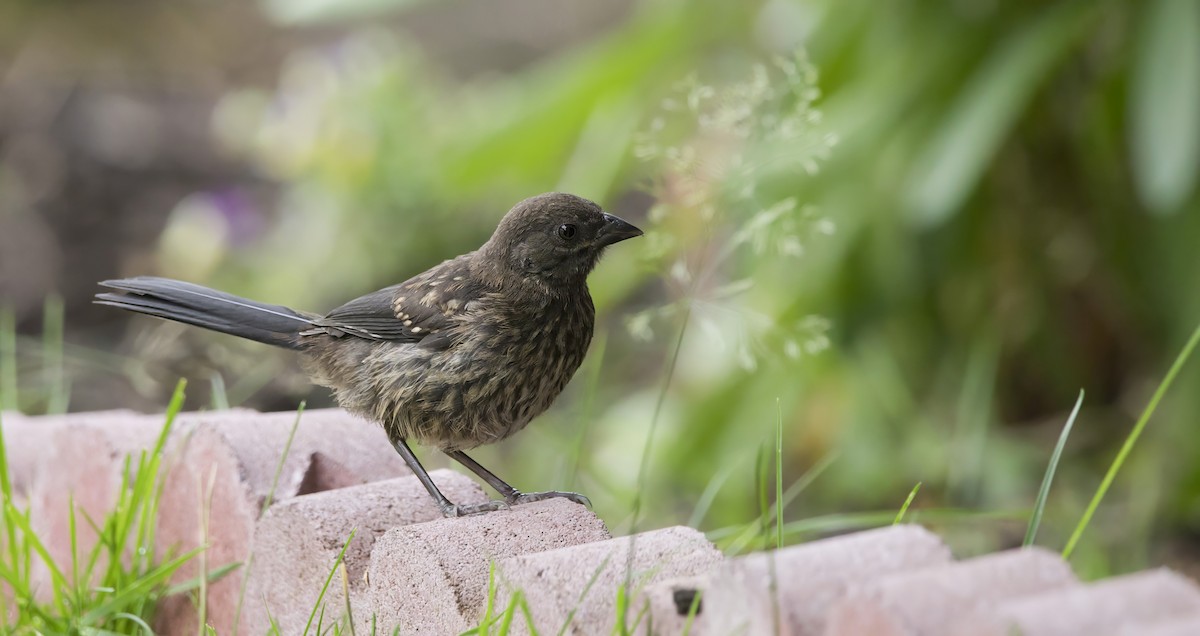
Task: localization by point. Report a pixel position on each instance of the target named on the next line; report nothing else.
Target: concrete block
(1132, 602)
(27, 442)
(926, 601)
(432, 578)
(24, 440)
(81, 460)
(790, 591)
(297, 542)
(1182, 626)
(227, 460)
(669, 606)
(582, 582)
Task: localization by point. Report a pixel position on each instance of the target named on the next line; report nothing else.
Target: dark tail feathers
(208, 308)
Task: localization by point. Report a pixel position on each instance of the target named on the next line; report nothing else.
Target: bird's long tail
(208, 308)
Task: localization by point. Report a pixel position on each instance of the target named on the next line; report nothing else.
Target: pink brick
(669, 606)
(1181, 626)
(26, 440)
(1134, 603)
(83, 461)
(297, 543)
(431, 578)
(238, 453)
(926, 601)
(582, 582)
(807, 579)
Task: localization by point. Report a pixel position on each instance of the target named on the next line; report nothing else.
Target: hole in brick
(324, 474)
(684, 597)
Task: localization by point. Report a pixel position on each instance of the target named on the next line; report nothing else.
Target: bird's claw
(529, 497)
(515, 499)
(466, 510)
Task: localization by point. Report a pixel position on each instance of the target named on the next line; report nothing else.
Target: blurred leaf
(595, 163)
(299, 12)
(984, 112)
(517, 139)
(1165, 104)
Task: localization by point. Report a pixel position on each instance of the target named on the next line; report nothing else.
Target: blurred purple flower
(244, 219)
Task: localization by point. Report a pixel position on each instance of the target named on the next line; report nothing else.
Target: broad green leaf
(984, 112)
(1165, 104)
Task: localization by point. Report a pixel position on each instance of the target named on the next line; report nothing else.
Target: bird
(461, 355)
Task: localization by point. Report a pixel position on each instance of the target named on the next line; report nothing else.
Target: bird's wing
(420, 309)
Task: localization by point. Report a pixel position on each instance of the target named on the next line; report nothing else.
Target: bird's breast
(506, 366)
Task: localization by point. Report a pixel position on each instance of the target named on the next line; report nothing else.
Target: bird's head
(553, 240)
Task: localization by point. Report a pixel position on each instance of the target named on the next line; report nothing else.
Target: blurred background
(907, 234)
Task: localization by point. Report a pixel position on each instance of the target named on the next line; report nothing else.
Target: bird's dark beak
(616, 230)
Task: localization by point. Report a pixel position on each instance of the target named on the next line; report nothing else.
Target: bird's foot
(466, 510)
(518, 498)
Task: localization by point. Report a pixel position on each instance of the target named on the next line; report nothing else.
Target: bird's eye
(566, 231)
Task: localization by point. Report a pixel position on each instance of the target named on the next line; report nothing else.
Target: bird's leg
(511, 495)
(448, 509)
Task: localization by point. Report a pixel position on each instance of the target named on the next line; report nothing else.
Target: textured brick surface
(24, 440)
(432, 578)
(297, 543)
(428, 575)
(1133, 603)
(82, 462)
(669, 605)
(582, 582)
(926, 601)
(230, 458)
(807, 579)
(1181, 626)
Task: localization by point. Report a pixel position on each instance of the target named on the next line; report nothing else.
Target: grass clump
(113, 588)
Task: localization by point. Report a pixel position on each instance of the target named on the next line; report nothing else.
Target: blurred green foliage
(920, 258)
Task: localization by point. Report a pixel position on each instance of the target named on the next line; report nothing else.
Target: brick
(583, 581)
(237, 453)
(1133, 602)
(1182, 626)
(82, 461)
(431, 578)
(297, 542)
(809, 578)
(669, 605)
(926, 601)
(26, 440)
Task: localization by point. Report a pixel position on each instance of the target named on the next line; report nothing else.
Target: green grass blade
(328, 579)
(705, 501)
(764, 507)
(287, 447)
(237, 610)
(54, 372)
(1039, 506)
(912, 494)
(583, 595)
(9, 394)
(220, 395)
(136, 620)
(778, 474)
(509, 613)
(141, 586)
(346, 597)
(214, 575)
(1130, 440)
(745, 534)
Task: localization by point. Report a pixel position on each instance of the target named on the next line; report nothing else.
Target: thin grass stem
(1130, 441)
(1035, 520)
